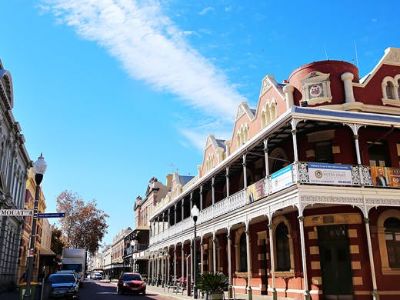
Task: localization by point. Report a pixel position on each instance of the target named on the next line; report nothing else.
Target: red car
(131, 283)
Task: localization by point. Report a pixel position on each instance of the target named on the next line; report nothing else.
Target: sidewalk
(170, 294)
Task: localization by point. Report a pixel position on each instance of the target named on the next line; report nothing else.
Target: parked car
(97, 276)
(131, 283)
(63, 285)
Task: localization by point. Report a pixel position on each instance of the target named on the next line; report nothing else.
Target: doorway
(334, 252)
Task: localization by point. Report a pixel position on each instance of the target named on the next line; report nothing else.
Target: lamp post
(195, 213)
(39, 168)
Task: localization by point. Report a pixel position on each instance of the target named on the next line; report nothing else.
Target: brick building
(303, 200)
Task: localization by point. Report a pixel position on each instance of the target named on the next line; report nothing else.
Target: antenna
(326, 53)
(355, 49)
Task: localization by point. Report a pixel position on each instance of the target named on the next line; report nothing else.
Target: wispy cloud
(206, 10)
(151, 48)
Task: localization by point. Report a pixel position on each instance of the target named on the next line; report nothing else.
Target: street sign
(16, 212)
(50, 215)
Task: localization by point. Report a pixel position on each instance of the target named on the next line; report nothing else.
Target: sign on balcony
(383, 176)
(322, 173)
(281, 179)
(256, 191)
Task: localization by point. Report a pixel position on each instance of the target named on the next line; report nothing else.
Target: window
(389, 90)
(392, 238)
(282, 247)
(243, 253)
(378, 154)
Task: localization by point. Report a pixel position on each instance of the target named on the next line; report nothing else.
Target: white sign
(16, 212)
(281, 179)
(321, 173)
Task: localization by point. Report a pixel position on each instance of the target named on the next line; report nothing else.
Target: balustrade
(303, 173)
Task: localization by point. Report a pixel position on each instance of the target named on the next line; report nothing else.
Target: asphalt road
(97, 290)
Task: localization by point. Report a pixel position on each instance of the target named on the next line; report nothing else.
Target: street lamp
(39, 168)
(195, 213)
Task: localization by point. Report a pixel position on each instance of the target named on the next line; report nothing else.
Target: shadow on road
(96, 290)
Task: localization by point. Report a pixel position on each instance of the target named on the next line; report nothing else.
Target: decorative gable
(244, 109)
(316, 88)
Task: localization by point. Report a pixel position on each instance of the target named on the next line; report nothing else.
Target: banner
(282, 179)
(322, 173)
(385, 177)
(256, 191)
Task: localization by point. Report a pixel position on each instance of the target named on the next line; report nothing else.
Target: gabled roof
(391, 57)
(245, 109)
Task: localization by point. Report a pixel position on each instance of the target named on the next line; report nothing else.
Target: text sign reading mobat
(50, 215)
(16, 212)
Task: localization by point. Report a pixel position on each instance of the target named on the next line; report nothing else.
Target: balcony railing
(135, 248)
(302, 173)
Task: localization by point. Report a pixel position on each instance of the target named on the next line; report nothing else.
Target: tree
(57, 243)
(84, 225)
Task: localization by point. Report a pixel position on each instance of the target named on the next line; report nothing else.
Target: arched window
(243, 253)
(392, 237)
(390, 90)
(282, 247)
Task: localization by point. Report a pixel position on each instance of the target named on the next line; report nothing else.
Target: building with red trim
(303, 201)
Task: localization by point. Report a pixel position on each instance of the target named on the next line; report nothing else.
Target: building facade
(14, 164)
(117, 254)
(27, 229)
(303, 200)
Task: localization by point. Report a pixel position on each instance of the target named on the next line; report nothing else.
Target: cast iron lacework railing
(310, 173)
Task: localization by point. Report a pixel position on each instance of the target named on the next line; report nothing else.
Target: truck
(74, 259)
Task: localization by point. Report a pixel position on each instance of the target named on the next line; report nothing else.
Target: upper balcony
(306, 146)
(301, 173)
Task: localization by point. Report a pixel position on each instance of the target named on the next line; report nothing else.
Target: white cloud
(151, 48)
(206, 10)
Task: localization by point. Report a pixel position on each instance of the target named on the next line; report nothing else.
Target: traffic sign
(50, 215)
(16, 212)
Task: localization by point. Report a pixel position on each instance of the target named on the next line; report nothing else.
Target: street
(100, 290)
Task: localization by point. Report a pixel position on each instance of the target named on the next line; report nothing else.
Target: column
(183, 261)
(288, 91)
(294, 139)
(201, 198)
(272, 257)
(163, 221)
(183, 209)
(201, 256)
(213, 190)
(347, 79)
(168, 268)
(229, 246)
(249, 273)
(175, 263)
(191, 200)
(266, 157)
(375, 295)
(169, 217)
(227, 181)
(149, 269)
(244, 171)
(157, 269)
(214, 253)
(175, 211)
(162, 269)
(304, 258)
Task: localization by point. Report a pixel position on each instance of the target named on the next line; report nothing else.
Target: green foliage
(84, 225)
(212, 283)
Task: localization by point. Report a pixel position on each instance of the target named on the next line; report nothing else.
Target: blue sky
(115, 92)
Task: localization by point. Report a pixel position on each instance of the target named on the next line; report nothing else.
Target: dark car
(131, 283)
(63, 285)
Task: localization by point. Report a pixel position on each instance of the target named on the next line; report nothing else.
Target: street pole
(194, 262)
(39, 167)
(195, 213)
